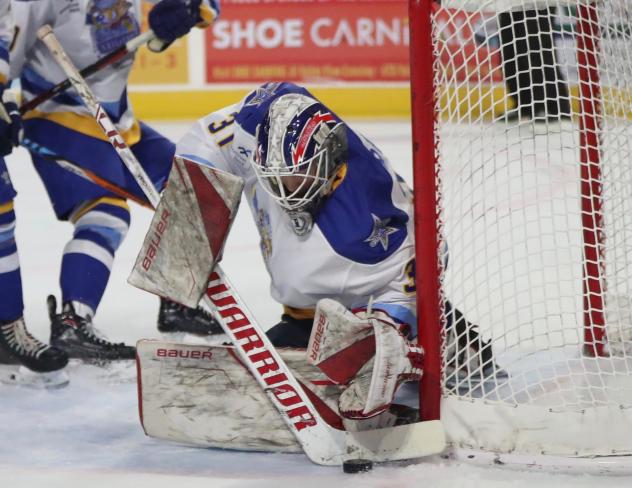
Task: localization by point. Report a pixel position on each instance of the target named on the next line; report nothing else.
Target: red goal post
(524, 224)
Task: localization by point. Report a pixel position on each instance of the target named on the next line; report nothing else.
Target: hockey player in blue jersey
(337, 237)
(62, 129)
(17, 346)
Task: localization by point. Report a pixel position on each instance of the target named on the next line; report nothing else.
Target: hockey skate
(77, 336)
(27, 361)
(174, 318)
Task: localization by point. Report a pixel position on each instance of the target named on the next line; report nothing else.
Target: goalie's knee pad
(367, 351)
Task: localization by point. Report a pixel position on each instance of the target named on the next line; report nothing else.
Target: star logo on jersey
(380, 232)
(262, 93)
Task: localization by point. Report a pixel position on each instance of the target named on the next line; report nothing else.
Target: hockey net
(524, 223)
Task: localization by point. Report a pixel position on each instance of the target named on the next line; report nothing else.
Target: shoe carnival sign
(309, 40)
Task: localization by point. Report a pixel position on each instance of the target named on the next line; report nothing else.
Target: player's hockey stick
(86, 174)
(320, 442)
(129, 47)
(46, 34)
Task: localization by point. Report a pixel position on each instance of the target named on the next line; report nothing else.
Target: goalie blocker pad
(188, 232)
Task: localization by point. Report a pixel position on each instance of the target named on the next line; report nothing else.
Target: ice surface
(88, 434)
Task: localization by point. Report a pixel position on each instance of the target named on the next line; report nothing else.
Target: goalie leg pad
(205, 396)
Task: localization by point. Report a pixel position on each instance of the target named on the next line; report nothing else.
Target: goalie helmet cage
(535, 216)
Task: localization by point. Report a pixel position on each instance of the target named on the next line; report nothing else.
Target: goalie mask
(300, 146)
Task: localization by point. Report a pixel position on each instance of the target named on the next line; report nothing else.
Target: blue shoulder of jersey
(256, 104)
(359, 219)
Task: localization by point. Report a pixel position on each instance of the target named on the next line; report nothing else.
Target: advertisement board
(308, 41)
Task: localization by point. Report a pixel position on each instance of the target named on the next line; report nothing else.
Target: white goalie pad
(204, 396)
(187, 233)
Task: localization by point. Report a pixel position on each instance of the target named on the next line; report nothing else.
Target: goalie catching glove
(366, 351)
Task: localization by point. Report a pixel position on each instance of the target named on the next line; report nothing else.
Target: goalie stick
(320, 442)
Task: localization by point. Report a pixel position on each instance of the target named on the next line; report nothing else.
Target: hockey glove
(171, 19)
(10, 123)
(366, 352)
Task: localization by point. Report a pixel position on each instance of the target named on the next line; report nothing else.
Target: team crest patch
(302, 223)
(113, 24)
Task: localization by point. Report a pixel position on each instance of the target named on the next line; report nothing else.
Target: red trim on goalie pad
(344, 365)
(323, 383)
(327, 414)
(139, 390)
(231, 351)
(215, 212)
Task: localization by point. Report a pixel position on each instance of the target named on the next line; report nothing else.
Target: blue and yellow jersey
(88, 30)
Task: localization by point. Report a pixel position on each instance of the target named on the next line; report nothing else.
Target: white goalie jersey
(361, 244)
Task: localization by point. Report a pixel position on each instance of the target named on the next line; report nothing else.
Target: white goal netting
(534, 166)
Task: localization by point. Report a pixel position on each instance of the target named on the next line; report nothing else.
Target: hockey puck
(357, 466)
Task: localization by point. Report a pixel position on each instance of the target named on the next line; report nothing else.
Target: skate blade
(22, 376)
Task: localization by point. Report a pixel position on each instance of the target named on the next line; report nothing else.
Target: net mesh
(534, 146)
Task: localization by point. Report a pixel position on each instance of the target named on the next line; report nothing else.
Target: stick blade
(410, 441)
